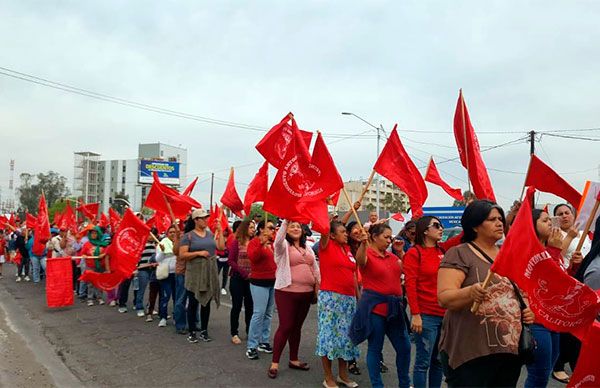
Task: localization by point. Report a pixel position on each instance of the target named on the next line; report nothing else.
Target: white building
(355, 188)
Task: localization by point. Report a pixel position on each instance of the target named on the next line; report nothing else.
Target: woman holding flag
(490, 355)
(94, 247)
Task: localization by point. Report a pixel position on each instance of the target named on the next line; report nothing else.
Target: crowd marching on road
(366, 283)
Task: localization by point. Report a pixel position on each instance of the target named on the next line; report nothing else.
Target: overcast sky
(522, 66)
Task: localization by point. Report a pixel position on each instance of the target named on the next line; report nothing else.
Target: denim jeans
(180, 300)
(260, 324)
(37, 263)
(167, 290)
(83, 289)
(427, 353)
(398, 334)
(143, 280)
(546, 354)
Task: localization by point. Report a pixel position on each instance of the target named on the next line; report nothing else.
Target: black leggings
(240, 294)
(223, 266)
(569, 352)
(192, 313)
(494, 370)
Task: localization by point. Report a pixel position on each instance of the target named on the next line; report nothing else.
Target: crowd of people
(366, 283)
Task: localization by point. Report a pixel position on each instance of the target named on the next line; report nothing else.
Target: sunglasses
(436, 225)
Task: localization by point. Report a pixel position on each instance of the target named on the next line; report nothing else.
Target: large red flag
(57, 218)
(68, 220)
(559, 302)
(59, 282)
(41, 233)
(160, 194)
(323, 178)
(231, 198)
(160, 221)
(213, 218)
(275, 144)
(257, 190)
(547, 180)
(115, 219)
(587, 371)
(433, 176)
(395, 164)
(30, 221)
(127, 244)
(103, 221)
(105, 281)
(470, 154)
(89, 210)
(188, 190)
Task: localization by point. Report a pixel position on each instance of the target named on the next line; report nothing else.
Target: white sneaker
(112, 303)
(154, 312)
(140, 313)
(18, 279)
(100, 302)
(27, 279)
(149, 318)
(122, 310)
(162, 323)
(90, 303)
(223, 291)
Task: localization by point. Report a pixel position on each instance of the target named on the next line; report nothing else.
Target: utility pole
(379, 129)
(212, 182)
(532, 142)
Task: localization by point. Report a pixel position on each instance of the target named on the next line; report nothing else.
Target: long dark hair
(592, 255)
(189, 225)
(354, 244)
(535, 216)
(241, 232)
(422, 226)
(475, 214)
(302, 236)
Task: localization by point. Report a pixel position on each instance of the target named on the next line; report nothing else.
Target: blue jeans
(546, 354)
(37, 263)
(143, 280)
(180, 300)
(167, 289)
(260, 324)
(427, 353)
(398, 334)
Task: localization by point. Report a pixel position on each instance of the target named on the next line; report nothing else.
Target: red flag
(433, 176)
(41, 233)
(115, 219)
(213, 218)
(275, 144)
(127, 244)
(316, 213)
(188, 190)
(559, 302)
(231, 198)
(587, 371)
(547, 180)
(398, 217)
(103, 222)
(470, 154)
(3, 222)
(59, 282)
(68, 220)
(105, 281)
(395, 164)
(160, 221)
(257, 190)
(30, 221)
(323, 178)
(12, 221)
(57, 218)
(89, 210)
(160, 194)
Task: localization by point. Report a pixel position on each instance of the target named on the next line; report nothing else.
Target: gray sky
(522, 66)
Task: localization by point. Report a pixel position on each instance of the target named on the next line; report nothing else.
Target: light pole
(378, 129)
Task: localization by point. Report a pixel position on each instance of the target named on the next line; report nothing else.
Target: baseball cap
(199, 213)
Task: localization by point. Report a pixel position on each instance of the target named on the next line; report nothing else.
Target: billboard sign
(168, 172)
(449, 216)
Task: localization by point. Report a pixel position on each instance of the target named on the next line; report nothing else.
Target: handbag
(527, 344)
(162, 271)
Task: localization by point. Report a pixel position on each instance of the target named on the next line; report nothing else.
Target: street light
(378, 129)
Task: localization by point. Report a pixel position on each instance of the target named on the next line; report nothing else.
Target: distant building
(390, 196)
(129, 177)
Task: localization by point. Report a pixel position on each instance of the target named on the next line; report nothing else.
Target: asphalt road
(97, 346)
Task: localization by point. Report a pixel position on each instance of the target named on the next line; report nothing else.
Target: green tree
(52, 184)
(257, 208)
(370, 207)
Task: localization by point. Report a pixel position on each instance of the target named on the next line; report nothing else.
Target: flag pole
(526, 176)
(588, 224)
(352, 207)
(366, 188)
(170, 209)
(462, 110)
(485, 284)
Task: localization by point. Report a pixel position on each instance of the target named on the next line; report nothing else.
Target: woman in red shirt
(337, 303)
(380, 310)
(421, 264)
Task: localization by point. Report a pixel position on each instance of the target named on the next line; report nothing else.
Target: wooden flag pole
(525, 182)
(154, 238)
(352, 207)
(170, 209)
(485, 284)
(366, 188)
(588, 225)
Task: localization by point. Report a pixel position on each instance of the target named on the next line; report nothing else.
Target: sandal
(272, 373)
(353, 368)
(302, 366)
(564, 380)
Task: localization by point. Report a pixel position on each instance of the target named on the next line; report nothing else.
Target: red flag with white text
(395, 164)
(469, 152)
(127, 244)
(587, 371)
(274, 146)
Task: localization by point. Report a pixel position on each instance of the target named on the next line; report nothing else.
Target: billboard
(449, 216)
(168, 172)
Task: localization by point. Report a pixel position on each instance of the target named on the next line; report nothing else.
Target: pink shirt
(301, 268)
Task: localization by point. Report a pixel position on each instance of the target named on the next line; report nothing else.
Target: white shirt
(585, 248)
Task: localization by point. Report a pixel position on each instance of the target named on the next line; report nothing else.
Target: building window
(124, 168)
(123, 180)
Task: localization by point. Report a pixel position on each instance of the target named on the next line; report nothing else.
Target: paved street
(101, 347)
